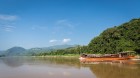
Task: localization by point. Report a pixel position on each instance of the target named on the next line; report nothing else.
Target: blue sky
(43, 23)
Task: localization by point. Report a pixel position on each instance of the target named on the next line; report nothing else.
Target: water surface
(66, 67)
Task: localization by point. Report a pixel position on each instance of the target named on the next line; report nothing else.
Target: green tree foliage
(119, 38)
(125, 37)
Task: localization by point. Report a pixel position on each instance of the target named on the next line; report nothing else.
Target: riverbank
(67, 55)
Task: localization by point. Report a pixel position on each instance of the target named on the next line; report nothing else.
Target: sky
(43, 23)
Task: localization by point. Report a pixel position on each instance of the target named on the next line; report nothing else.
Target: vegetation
(125, 37)
(19, 51)
(67, 52)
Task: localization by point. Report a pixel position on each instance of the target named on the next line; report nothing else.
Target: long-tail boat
(107, 57)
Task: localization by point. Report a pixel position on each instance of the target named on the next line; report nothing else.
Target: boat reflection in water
(119, 63)
(114, 69)
(117, 69)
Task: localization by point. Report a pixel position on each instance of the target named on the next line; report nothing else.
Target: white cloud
(61, 21)
(53, 40)
(63, 27)
(66, 40)
(9, 28)
(37, 27)
(8, 17)
(7, 22)
(64, 23)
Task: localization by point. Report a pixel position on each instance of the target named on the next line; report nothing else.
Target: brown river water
(66, 67)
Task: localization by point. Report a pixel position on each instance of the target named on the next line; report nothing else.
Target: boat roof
(127, 52)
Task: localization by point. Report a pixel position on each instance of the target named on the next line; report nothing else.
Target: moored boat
(106, 57)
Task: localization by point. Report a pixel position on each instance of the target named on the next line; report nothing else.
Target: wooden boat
(106, 57)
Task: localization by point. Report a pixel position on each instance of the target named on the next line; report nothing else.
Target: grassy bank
(66, 55)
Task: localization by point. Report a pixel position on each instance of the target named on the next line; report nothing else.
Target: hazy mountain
(15, 51)
(1, 52)
(34, 51)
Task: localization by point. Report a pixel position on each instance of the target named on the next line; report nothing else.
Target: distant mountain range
(15, 51)
(18, 51)
(1, 52)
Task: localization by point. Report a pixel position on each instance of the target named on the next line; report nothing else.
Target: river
(66, 67)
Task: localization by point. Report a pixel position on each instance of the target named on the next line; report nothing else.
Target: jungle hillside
(125, 37)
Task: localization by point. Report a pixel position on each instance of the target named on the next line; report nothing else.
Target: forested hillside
(125, 37)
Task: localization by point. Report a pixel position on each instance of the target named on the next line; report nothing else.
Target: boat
(107, 57)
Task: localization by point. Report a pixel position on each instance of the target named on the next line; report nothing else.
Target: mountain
(14, 51)
(55, 47)
(125, 37)
(35, 51)
(1, 53)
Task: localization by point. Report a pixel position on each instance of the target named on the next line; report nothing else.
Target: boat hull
(104, 59)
